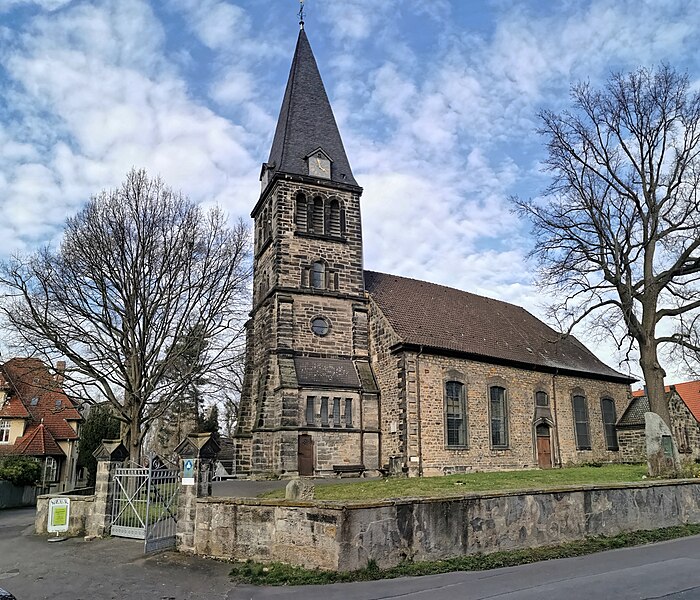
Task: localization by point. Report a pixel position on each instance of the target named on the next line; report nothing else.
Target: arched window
(318, 275)
(541, 399)
(499, 417)
(583, 434)
(317, 216)
(301, 212)
(334, 219)
(607, 409)
(455, 414)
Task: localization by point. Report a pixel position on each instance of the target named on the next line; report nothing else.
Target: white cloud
(99, 83)
(44, 4)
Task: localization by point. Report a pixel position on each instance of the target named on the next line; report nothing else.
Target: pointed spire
(306, 122)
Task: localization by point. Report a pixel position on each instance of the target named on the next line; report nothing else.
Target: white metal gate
(145, 504)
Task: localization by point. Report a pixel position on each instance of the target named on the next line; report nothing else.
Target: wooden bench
(349, 470)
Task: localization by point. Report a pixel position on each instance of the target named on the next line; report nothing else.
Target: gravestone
(662, 453)
(299, 489)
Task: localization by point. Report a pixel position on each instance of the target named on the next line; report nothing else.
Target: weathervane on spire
(301, 14)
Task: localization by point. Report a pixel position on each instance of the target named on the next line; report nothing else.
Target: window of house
(310, 413)
(336, 412)
(583, 435)
(317, 217)
(541, 399)
(50, 469)
(318, 275)
(4, 431)
(499, 417)
(302, 212)
(348, 412)
(607, 407)
(324, 412)
(455, 414)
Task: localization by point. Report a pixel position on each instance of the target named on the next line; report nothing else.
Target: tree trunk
(134, 439)
(654, 381)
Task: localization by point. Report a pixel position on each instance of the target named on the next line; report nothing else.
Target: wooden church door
(544, 447)
(305, 455)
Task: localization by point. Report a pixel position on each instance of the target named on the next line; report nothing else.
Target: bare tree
(137, 271)
(618, 231)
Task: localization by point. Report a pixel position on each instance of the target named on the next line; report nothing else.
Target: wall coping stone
(90, 498)
(351, 505)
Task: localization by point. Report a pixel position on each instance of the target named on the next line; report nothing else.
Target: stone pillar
(110, 455)
(198, 450)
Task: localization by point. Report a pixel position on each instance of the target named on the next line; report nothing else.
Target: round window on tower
(320, 325)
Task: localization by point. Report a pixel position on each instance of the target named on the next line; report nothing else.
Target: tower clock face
(319, 166)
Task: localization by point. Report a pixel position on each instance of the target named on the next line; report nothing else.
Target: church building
(350, 370)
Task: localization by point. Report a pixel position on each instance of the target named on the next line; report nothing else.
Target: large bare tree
(618, 230)
(138, 270)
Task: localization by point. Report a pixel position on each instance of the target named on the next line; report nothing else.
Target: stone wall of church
(424, 377)
(386, 367)
(298, 250)
(633, 444)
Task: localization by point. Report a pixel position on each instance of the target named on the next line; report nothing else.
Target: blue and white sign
(188, 472)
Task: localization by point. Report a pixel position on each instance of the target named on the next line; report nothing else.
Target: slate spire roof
(306, 122)
(450, 320)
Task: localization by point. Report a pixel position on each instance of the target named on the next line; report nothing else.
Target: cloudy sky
(436, 102)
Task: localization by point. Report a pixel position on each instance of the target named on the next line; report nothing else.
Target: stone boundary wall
(329, 535)
(12, 496)
(80, 518)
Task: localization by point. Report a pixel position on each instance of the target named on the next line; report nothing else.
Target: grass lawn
(398, 487)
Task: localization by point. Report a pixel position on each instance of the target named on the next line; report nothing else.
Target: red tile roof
(41, 397)
(447, 319)
(689, 393)
(14, 409)
(37, 441)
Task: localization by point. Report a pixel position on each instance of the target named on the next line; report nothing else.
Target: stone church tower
(310, 403)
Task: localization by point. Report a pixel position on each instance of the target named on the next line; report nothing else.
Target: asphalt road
(33, 569)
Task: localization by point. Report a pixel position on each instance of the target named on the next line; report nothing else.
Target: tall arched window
(541, 399)
(334, 219)
(318, 275)
(455, 414)
(583, 434)
(499, 417)
(301, 215)
(317, 217)
(607, 409)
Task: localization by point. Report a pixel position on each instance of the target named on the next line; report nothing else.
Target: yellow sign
(60, 516)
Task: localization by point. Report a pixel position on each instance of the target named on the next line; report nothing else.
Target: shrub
(20, 470)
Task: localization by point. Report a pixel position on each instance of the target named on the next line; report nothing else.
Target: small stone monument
(299, 489)
(662, 452)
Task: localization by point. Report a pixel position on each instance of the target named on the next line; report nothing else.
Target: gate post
(197, 453)
(110, 454)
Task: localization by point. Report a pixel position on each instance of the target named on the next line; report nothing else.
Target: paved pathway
(112, 569)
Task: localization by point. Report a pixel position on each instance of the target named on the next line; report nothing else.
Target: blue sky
(436, 101)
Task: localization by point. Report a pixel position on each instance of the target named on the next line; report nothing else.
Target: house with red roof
(684, 407)
(38, 420)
